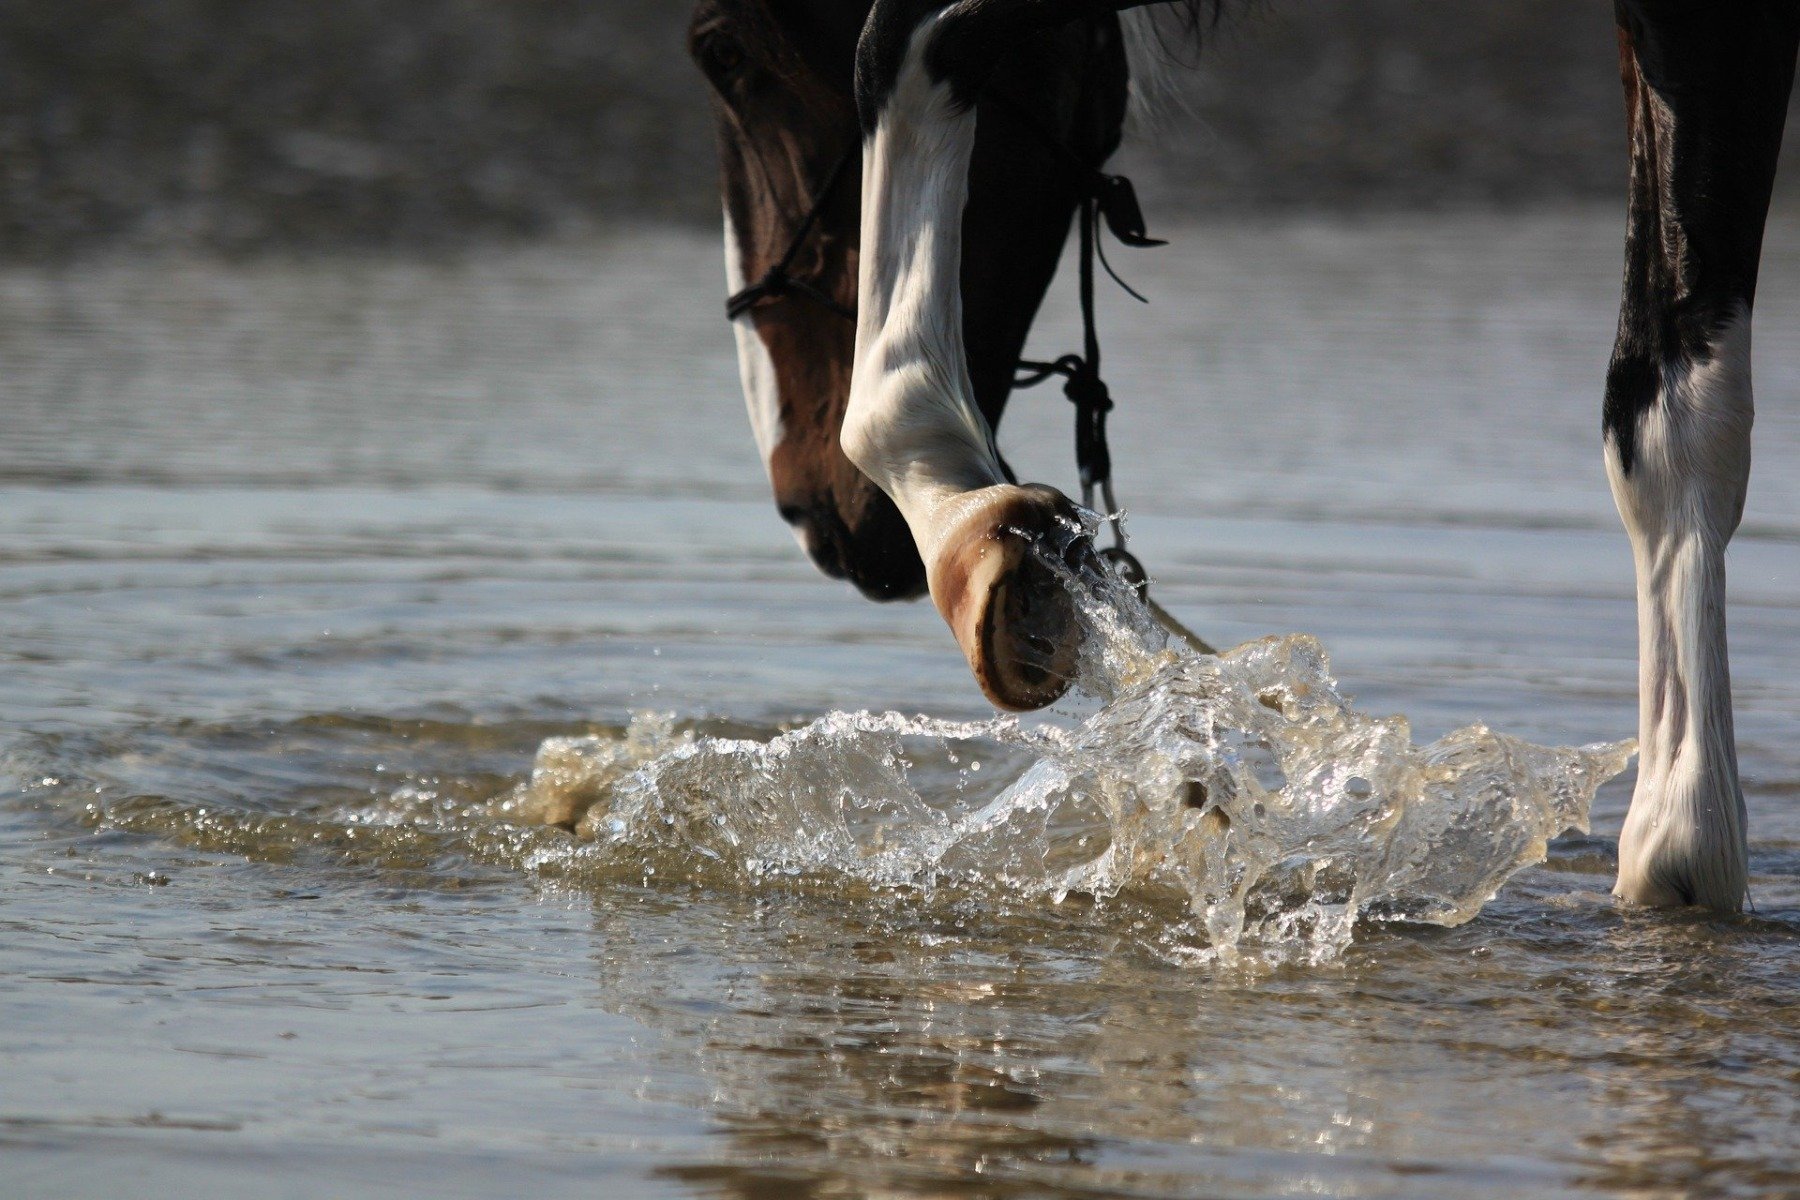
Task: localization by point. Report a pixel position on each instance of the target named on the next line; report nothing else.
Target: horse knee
(864, 435)
(1677, 434)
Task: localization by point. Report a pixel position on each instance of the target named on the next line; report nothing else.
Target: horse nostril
(877, 557)
(817, 538)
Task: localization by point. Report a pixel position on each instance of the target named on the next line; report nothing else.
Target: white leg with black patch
(912, 425)
(1681, 499)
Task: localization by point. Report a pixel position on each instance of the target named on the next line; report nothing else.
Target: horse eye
(721, 54)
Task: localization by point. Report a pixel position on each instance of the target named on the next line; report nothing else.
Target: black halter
(1103, 197)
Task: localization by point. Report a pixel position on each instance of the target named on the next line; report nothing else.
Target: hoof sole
(994, 581)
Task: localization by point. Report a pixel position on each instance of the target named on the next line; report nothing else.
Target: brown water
(300, 564)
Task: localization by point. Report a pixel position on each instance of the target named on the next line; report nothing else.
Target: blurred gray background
(244, 124)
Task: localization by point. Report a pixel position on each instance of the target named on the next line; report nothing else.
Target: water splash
(1243, 786)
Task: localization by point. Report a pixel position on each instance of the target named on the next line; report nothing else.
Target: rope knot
(1092, 400)
(1086, 390)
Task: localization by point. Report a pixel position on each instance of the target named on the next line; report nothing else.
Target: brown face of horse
(782, 74)
(783, 126)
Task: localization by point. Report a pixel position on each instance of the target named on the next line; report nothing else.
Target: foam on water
(1242, 786)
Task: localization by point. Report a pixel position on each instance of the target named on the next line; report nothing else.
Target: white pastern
(756, 369)
(1684, 838)
(912, 425)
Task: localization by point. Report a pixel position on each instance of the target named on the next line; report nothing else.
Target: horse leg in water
(990, 547)
(1706, 88)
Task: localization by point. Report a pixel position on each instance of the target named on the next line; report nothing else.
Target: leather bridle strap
(776, 281)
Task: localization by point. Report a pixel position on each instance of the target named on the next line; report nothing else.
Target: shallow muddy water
(301, 563)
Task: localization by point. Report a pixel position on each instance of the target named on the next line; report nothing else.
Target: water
(1240, 786)
(302, 565)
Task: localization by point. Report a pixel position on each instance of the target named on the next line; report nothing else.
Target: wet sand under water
(301, 563)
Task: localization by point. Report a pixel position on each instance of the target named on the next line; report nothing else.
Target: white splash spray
(1242, 785)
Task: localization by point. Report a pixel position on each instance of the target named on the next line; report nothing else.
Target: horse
(792, 173)
(875, 405)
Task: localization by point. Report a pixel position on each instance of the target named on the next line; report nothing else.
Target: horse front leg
(993, 551)
(1706, 91)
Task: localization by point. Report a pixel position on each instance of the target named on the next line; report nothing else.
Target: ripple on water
(1240, 796)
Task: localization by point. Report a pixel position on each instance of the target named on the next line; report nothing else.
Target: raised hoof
(993, 579)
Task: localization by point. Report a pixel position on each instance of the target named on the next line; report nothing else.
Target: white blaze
(756, 369)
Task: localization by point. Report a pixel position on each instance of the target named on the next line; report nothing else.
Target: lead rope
(1112, 197)
(1092, 399)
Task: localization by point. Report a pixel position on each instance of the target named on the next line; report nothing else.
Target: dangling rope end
(1176, 628)
(1100, 251)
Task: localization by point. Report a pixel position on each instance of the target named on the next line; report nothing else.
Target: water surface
(301, 562)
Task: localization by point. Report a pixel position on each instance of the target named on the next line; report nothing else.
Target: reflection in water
(989, 1043)
(847, 1039)
(952, 1059)
(1695, 1115)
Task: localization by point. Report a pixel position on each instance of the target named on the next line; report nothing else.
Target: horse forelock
(782, 124)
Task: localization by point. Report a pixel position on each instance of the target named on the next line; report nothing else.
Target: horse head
(782, 73)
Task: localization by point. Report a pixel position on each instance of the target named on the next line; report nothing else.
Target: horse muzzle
(877, 555)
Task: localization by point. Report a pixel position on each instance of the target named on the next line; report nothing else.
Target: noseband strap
(776, 281)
